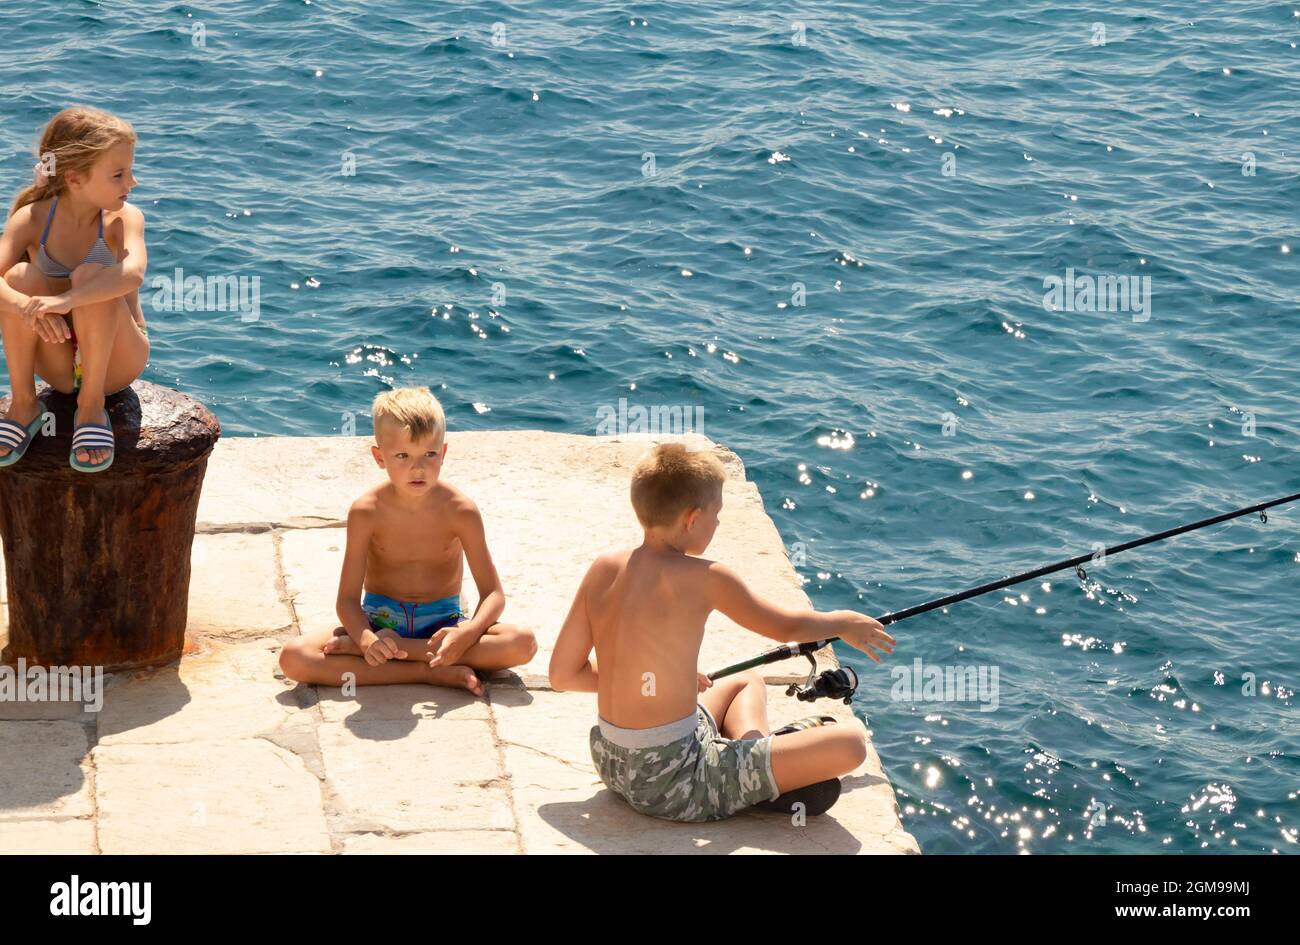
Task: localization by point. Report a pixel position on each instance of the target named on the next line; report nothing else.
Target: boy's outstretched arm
(451, 643)
(729, 595)
(571, 666)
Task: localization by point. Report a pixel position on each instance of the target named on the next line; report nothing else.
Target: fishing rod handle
(771, 656)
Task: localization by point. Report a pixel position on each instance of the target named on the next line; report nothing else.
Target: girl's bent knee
(18, 274)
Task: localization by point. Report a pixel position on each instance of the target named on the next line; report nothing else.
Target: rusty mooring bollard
(98, 564)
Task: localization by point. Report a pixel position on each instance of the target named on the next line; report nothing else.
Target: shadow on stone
(301, 696)
(143, 699)
(41, 773)
(401, 707)
(604, 824)
(857, 782)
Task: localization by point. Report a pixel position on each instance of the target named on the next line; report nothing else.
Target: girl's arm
(121, 279)
(137, 313)
(13, 250)
(111, 282)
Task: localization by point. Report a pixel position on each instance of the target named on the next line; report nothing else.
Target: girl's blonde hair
(72, 141)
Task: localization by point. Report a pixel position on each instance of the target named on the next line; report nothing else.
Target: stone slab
(414, 775)
(47, 837)
(44, 770)
(264, 479)
(436, 841)
(238, 796)
(221, 692)
(312, 559)
(233, 587)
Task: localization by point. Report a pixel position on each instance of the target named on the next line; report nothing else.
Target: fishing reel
(839, 683)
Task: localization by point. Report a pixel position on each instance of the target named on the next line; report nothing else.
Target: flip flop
(91, 436)
(18, 437)
(816, 798)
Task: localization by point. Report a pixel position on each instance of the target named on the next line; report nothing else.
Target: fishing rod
(843, 682)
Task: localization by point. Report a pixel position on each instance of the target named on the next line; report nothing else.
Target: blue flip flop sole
(92, 436)
(17, 437)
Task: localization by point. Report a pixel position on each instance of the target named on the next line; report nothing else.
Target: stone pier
(218, 753)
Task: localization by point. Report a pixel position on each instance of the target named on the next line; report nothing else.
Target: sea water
(851, 241)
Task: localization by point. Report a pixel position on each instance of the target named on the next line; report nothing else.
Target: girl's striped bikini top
(101, 253)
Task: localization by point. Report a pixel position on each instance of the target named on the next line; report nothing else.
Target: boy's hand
(450, 643)
(705, 681)
(862, 632)
(384, 647)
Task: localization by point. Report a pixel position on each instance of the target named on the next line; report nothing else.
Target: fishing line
(842, 683)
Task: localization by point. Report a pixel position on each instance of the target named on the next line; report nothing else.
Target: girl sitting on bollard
(72, 260)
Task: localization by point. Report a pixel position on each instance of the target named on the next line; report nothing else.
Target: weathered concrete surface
(224, 796)
(48, 836)
(219, 753)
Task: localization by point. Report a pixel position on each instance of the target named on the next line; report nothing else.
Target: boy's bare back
(414, 552)
(647, 610)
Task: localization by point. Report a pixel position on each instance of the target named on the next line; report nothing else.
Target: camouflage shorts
(685, 770)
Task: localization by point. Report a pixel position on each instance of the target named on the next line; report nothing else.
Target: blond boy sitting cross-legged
(406, 538)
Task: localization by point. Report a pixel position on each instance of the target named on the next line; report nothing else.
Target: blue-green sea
(831, 227)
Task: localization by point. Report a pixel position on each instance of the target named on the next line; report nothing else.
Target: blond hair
(73, 141)
(414, 408)
(671, 479)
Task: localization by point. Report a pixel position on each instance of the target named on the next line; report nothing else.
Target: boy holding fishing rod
(667, 740)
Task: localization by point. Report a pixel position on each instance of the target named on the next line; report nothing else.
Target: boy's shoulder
(604, 572)
(610, 562)
(368, 502)
(699, 574)
(451, 504)
(453, 496)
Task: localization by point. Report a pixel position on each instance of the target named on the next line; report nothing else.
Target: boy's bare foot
(458, 676)
(341, 645)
